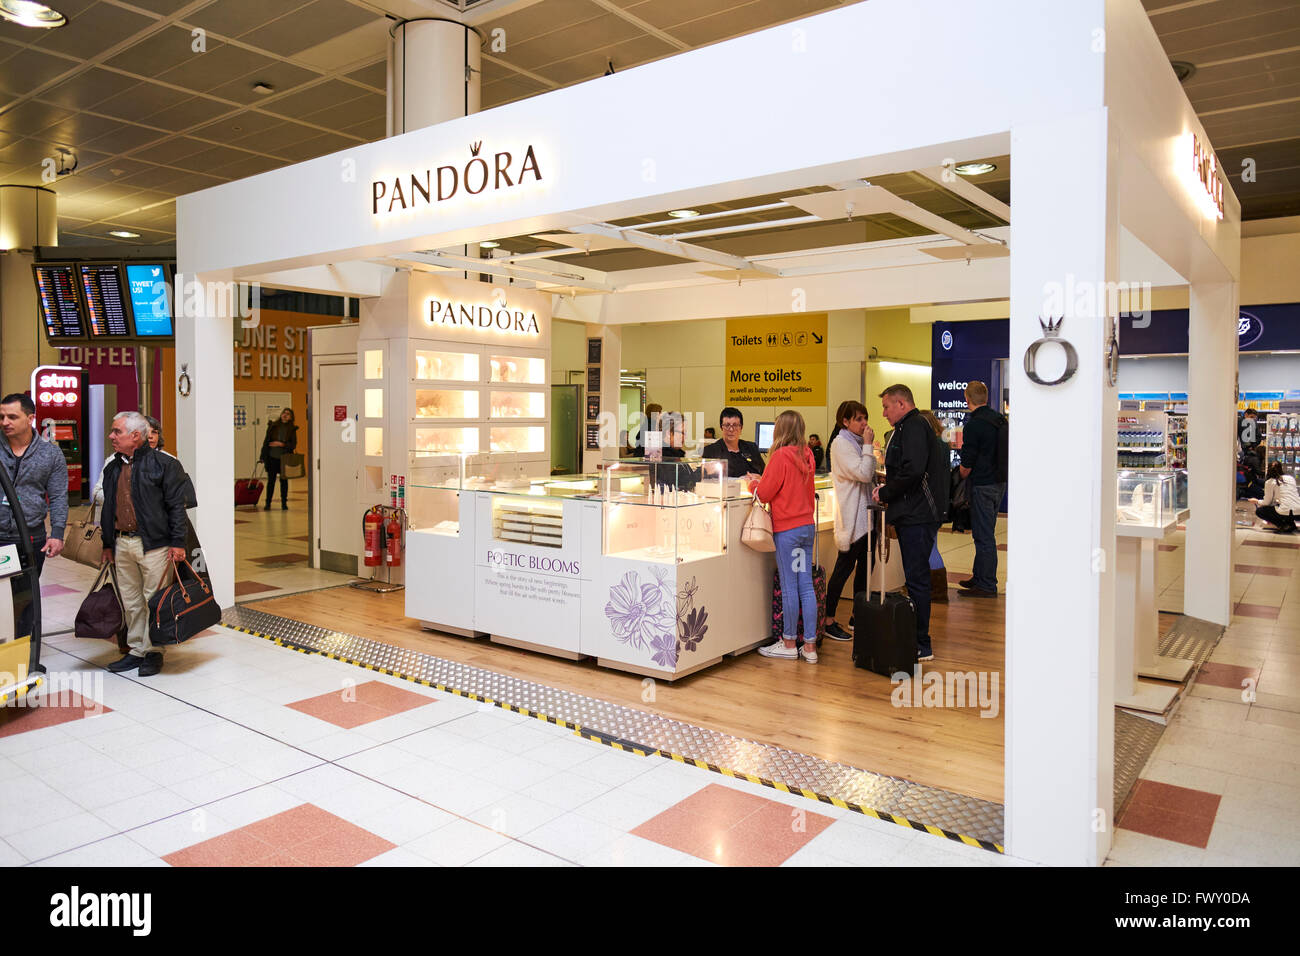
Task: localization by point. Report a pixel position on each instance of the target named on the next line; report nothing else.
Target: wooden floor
(832, 710)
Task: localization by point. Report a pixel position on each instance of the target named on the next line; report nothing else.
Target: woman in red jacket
(787, 485)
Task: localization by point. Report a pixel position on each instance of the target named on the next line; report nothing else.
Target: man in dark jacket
(143, 524)
(915, 494)
(979, 462)
(40, 476)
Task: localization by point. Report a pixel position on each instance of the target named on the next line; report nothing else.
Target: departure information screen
(56, 285)
(151, 299)
(106, 305)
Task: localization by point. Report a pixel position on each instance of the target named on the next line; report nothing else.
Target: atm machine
(20, 654)
(62, 418)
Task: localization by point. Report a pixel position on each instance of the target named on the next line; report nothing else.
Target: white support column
(1211, 422)
(205, 350)
(1060, 592)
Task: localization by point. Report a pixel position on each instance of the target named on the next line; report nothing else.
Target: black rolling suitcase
(884, 625)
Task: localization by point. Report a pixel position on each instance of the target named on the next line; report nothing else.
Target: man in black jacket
(979, 462)
(143, 524)
(915, 494)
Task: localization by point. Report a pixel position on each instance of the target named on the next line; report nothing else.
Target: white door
(338, 510)
(247, 441)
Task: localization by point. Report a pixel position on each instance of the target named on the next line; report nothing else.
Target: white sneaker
(808, 652)
(778, 649)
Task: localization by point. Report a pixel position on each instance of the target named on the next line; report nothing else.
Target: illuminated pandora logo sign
(465, 316)
(477, 176)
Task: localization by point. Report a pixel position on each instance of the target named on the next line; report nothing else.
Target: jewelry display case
(1146, 499)
(657, 511)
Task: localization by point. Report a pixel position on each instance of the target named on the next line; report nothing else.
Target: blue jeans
(794, 559)
(916, 542)
(984, 502)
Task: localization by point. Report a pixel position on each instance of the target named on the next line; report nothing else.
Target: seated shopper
(1281, 501)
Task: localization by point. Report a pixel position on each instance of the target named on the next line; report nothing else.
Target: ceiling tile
(31, 117)
(212, 159)
(248, 166)
(593, 64)
(164, 7)
(236, 126)
(746, 19)
(593, 34)
(312, 99)
(219, 65)
(25, 35)
(29, 70)
(79, 129)
(191, 112)
(125, 138)
(271, 140)
(88, 88)
(318, 146)
(539, 19)
(375, 75)
(310, 25)
(234, 18)
(372, 130)
(93, 31)
(174, 150)
(282, 76)
(159, 51)
(140, 101)
(339, 116)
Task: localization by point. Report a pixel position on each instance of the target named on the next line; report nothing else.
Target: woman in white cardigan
(853, 472)
(1281, 501)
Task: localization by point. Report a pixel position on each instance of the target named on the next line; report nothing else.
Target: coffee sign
(473, 178)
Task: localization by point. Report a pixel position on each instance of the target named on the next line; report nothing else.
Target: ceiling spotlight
(25, 13)
(263, 89)
(1183, 70)
(489, 244)
(123, 234)
(684, 213)
(974, 169)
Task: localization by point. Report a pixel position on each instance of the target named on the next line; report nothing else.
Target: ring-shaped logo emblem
(1051, 333)
(946, 340)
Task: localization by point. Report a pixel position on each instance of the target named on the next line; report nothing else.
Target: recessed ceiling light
(974, 169)
(489, 244)
(1183, 70)
(684, 213)
(25, 13)
(123, 234)
(263, 89)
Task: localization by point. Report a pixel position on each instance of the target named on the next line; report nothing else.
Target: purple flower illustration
(664, 646)
(637, 612)
(694, 628)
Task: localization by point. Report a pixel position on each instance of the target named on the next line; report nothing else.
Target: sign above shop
(776, 360)
(462, 315)
(444, 183)
(1205, 168)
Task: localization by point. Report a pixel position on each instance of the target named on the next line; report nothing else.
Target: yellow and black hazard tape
(640, 750)
(837, 802)
(16, 692)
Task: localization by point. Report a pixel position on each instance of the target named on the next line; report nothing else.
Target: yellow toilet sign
(777, 360)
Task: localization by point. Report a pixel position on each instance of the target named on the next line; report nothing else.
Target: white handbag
(756, 532)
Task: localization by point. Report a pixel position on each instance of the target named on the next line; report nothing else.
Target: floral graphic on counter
(639, 613)
(650, 616)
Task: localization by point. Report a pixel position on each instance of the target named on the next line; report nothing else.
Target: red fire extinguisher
(394, 551)
(373, 533)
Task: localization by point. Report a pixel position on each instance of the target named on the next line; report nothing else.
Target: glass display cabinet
(1146, 499)
(659, 511)
(434, 483)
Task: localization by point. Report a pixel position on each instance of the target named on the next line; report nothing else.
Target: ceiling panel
(374, 76)
(237, 125)
(174, 150)
(248, 166)
(31, 117)
(221, 63)
(183, 115)
(271, 140)
(159, 51)
(318, 146)
(93, 31)
(593, 64)
(29, 70)
(141, 101)
(745, 19)
(88, 88)
(213, 158)
(1211, 43)
(310, 99)
(162, 6)
(125, 138)
(1251, 126)
(375, 128)
(595, 33)
(79, 129)
(310, 25)
(368, 106)
(280, 75)
(234, 18)
(539, 19)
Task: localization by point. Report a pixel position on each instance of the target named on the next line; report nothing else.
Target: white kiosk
(1114, 180)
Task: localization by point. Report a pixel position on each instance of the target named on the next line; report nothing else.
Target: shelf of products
(1176, 441)
(1283, 442)
(456, 403)
(1141, 439)
(528, 439)
(512, 404)
(517, 369)
(442, 441)
(524, 521)
(436, 366)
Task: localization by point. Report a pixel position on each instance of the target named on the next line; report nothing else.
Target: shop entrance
(336, 398)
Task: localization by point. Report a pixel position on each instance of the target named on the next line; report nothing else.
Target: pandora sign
(479, 175)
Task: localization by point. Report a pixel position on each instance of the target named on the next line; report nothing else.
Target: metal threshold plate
(941, 812)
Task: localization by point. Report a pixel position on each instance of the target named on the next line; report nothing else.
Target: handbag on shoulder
(756, 532)
(292, 465)
(183, 608)
(102, 615)
(83, 541)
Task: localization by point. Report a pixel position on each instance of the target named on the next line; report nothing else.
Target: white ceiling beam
(492, 267)
(946, 179)
(666, 245)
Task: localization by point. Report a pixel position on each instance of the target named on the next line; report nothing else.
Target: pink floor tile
(1226, 675)
(303, 836)
(362, 704)
(1256, 610)
(18, 717)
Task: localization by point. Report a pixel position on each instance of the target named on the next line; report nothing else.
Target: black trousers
(1269, 514)
(273, 472)
(859, 555)
(916, 541)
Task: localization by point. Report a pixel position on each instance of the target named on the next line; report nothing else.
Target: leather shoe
(151, 664)
(979, 592)
(128, 662)
(967, 584)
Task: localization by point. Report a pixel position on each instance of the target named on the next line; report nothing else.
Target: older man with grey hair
(143, 525)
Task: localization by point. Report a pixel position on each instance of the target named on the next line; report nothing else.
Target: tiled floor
(244, 753)
(271, 550)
